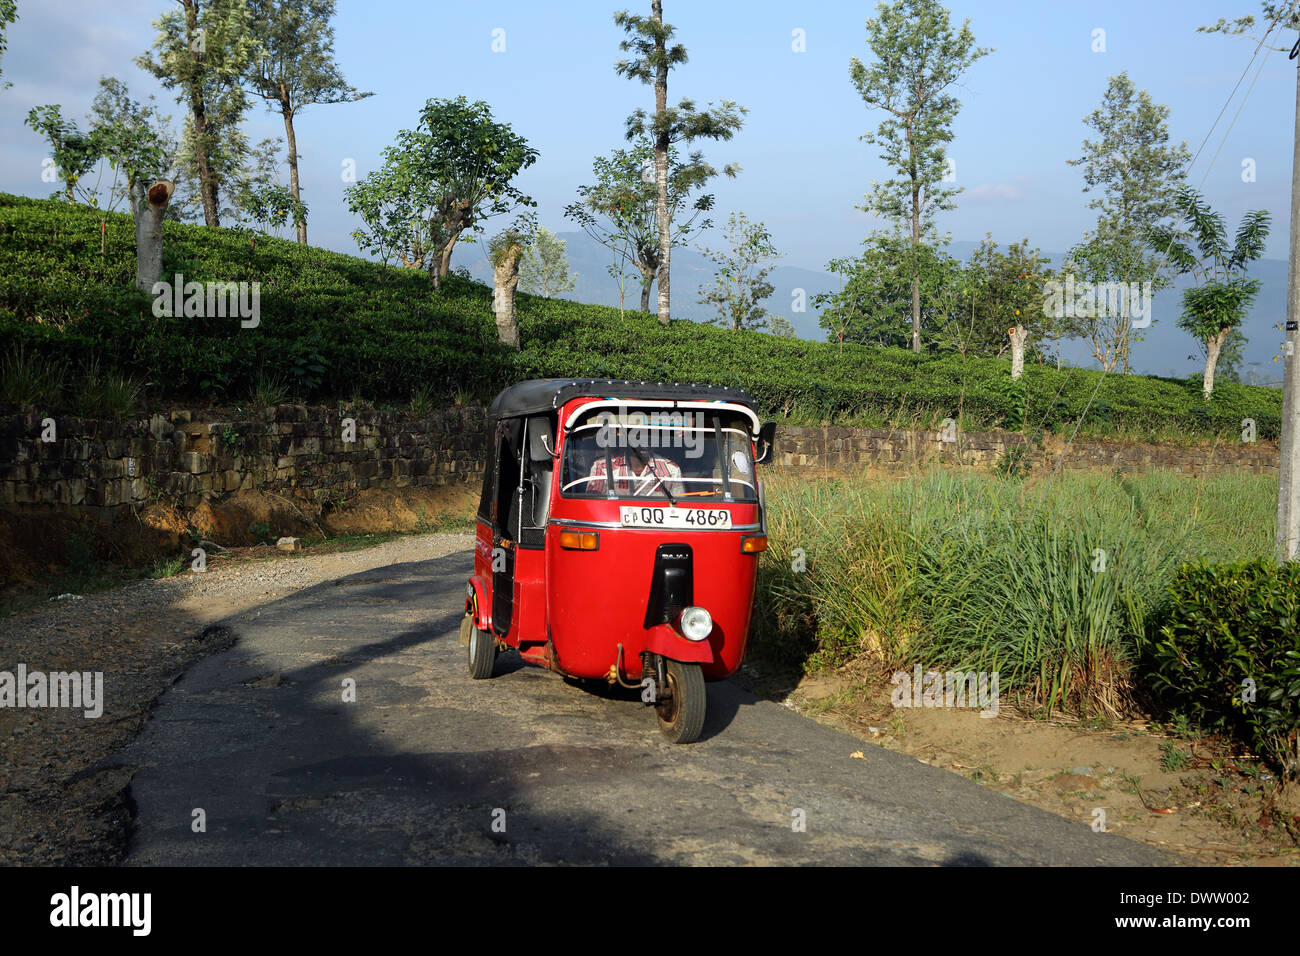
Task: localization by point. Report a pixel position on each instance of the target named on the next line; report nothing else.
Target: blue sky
(805, 167)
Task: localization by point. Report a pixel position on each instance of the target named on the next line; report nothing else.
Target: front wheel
(681, 708)
(482, 653)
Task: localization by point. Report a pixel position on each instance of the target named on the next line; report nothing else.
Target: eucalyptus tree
(203, 49)
(740, 281)
(1135, 173)
(296, 69)
(653, 56)
(620, 210)
(919, 57)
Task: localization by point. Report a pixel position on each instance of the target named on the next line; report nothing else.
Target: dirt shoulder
(62, 802)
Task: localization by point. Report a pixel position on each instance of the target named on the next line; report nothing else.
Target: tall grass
(1049, 581)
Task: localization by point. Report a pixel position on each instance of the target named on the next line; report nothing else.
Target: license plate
(686, 518)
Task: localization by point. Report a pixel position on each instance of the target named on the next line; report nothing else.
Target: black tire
(681, 711)
(482, 654)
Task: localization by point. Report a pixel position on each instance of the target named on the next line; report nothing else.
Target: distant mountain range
(1165, 350)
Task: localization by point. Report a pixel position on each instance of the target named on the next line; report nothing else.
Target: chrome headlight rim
(695, 623)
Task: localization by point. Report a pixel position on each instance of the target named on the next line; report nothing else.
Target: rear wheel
(682, 704)
(482, 653)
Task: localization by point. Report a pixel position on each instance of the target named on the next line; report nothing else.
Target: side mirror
(766, 444)
(541, 439)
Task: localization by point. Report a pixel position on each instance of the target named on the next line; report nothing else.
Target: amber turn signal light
(753, 544)
(580, 540)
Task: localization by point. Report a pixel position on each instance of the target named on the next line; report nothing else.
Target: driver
(647, 474)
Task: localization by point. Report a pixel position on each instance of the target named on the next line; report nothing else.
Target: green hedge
(1233, 632)
(383, 332)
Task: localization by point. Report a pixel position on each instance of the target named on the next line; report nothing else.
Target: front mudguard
(477, 606)
(666, 641)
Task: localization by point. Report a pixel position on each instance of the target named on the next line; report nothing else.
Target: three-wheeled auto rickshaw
(617, 537)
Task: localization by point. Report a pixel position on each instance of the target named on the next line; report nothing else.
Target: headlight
(696, 623)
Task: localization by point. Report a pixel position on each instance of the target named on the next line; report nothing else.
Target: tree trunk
(135, 197)
(1213, 345)
(661, 164)
(148, 235)
(198, 110)
(286, 109)
(505, 277)
(647, 280)
(916, 241)
(1017, 336)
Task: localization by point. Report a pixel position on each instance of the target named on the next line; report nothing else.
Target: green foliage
(106, 393)
(619, 210)
(919, 57)
(740, 279)
(544, 269)
(350, 327)
(1227, 657)
(8, 14)
(970, 571)
(455, 169)
(74, 152)
(205, 62)
(167, 567)
(28, 378)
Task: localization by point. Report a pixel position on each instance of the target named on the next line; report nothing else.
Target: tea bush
(336, 326)
(1227, 658)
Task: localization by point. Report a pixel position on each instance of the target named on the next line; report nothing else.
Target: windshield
(667, 455)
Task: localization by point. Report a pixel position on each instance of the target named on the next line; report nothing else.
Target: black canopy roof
(545, 394)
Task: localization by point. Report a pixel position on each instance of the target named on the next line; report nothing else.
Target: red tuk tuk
(618, 534)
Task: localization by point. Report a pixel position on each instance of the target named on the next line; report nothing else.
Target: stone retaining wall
(292, 450)
(104, 468)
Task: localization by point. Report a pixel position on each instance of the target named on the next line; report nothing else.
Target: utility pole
(1288, 477)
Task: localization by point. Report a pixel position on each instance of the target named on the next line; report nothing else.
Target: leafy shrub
(29, 378)
(1234, 629)
(334, 326)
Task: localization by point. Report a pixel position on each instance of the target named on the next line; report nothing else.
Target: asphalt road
(429, 767)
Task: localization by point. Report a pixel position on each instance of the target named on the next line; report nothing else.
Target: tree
(203, 50)
(296, 69)
(918, 57)
(135, 139)
(740, 281)
(1222, 294)
(401, 212)
(874, 307)
(648, 39)
(1009, 296)
(780, 325)
(544, 270)
(261, 198)
(621, 209)
(74, 153)
(1137, 173)
(8, 14)
(505, 250)
(444, 177)
(466, 162)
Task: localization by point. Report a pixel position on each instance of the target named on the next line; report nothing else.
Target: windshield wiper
(659, 482)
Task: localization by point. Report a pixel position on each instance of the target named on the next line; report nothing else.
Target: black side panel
(503, 588)
(672, 584)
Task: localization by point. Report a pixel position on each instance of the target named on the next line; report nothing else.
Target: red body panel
(572, 609)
